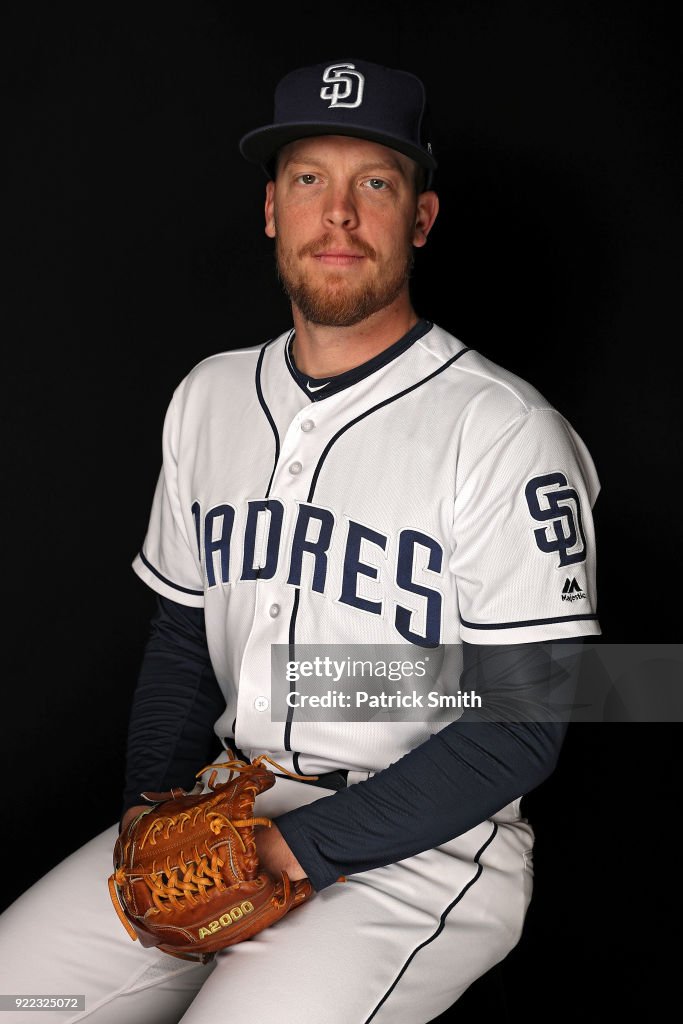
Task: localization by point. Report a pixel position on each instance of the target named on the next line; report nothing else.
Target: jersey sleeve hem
(165, 587)
(530, 631)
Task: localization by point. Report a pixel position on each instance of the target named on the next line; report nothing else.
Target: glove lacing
(203, 871)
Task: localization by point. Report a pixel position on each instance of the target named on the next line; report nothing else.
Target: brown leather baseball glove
(186, 873)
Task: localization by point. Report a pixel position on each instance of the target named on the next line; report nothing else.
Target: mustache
(358, 247)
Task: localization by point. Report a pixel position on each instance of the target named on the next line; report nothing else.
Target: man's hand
(275, 855)
(130, 814)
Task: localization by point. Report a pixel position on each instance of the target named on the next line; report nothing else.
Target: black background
(136, 246)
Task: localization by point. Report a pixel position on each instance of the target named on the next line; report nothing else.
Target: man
(364, 479)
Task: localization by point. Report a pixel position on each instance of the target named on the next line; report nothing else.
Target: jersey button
(274, 611)
(295, 468)
(307, 425)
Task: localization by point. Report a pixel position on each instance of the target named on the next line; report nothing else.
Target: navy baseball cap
(346, 97)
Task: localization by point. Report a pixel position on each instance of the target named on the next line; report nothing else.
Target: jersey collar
(319, 388)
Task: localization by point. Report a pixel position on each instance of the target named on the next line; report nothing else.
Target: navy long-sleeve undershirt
(176, 702)
(459, 777)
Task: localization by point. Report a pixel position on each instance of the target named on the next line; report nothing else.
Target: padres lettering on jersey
(436, 498)
(312, 534)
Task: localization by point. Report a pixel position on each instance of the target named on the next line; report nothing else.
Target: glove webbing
(198, 874)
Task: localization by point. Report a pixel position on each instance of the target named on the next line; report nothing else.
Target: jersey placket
(300, 452)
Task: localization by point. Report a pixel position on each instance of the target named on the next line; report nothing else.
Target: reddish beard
(338, 302)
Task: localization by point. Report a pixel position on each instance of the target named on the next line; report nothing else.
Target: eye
(378, 184)
(306, 179)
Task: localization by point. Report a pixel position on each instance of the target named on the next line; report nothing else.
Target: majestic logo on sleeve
(571, 590)
(553, 502)
(344, 82)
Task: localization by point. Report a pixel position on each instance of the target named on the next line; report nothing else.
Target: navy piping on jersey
(266, 410)
(368, 412)
(262, 402)
(525, 622)
(170, 583)
(339, 381)
(292, 655)
(316, 474)
(440, 927)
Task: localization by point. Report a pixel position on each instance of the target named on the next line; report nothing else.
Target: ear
(270, 209)
(427, 210)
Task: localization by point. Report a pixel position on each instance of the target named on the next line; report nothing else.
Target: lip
(339, 257)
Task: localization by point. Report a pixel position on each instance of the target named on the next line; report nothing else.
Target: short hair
(420, 179)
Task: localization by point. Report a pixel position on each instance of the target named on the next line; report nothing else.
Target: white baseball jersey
(436, 498)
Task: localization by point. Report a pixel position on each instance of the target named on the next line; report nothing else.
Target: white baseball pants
(396, 945)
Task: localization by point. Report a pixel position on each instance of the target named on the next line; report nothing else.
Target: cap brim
(261, 144)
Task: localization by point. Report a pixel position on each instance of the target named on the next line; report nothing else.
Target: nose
(340, 209)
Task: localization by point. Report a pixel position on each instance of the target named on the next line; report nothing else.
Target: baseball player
(364, 478)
